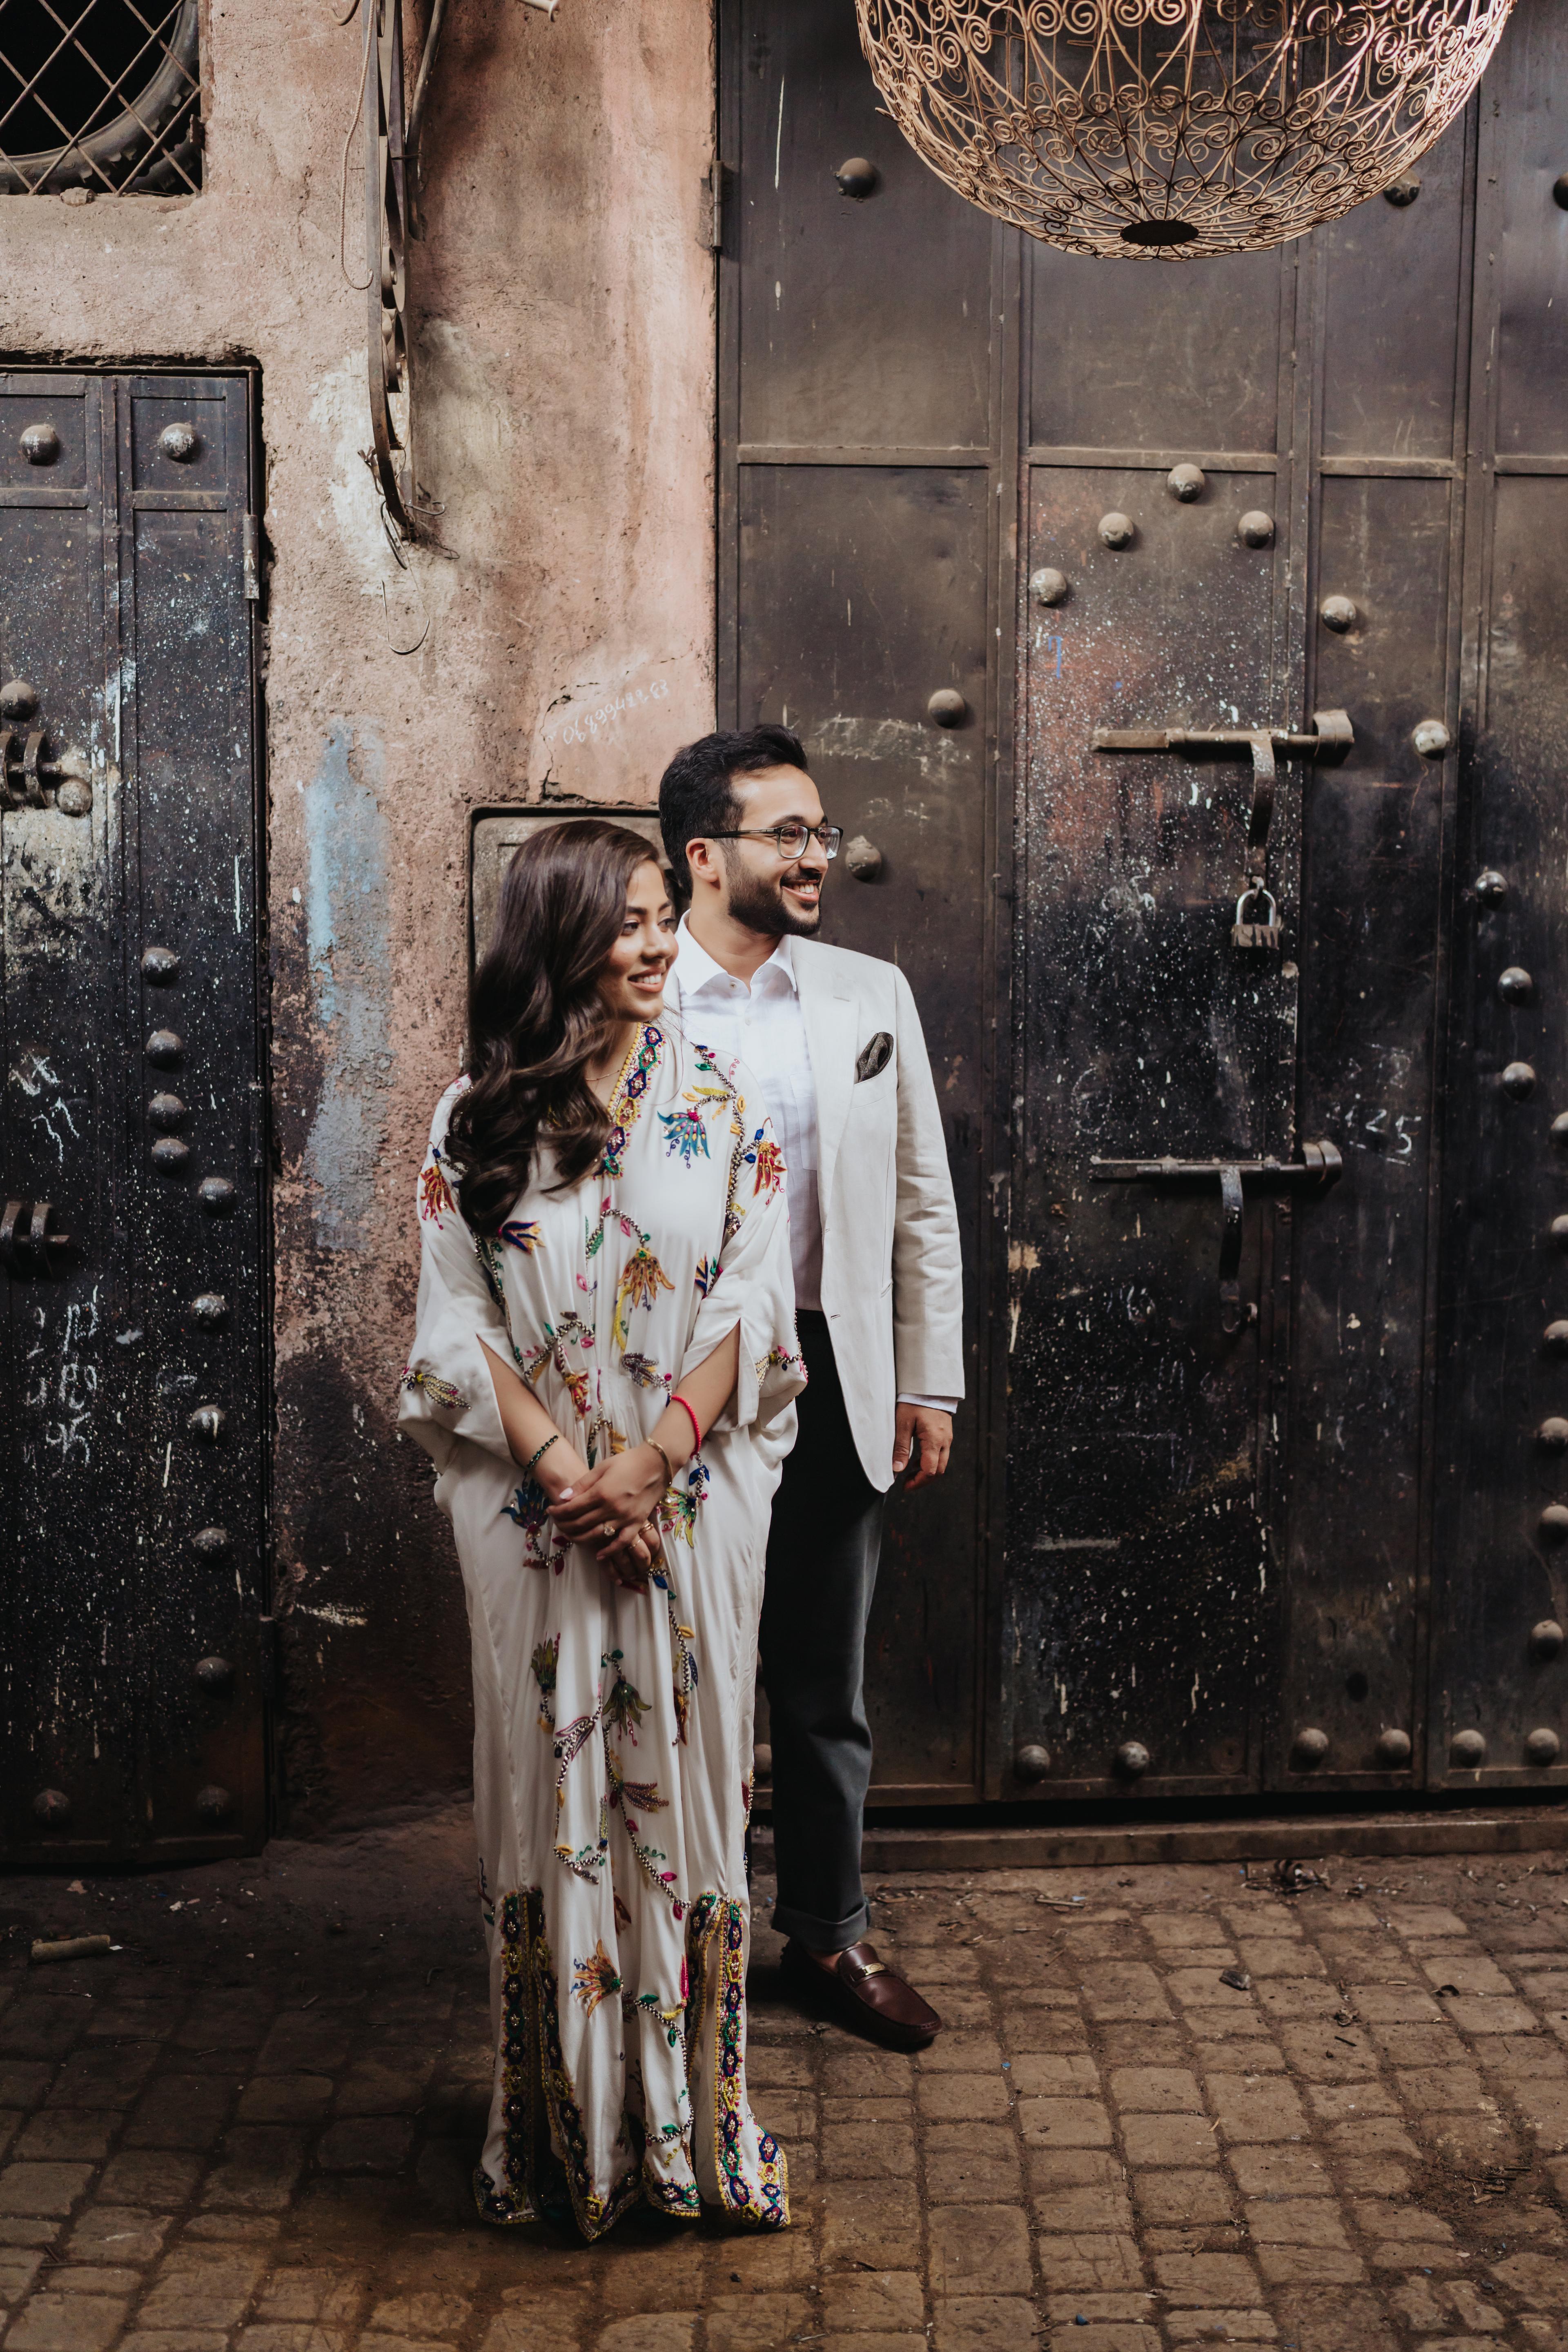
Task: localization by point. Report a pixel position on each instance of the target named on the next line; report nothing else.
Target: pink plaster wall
(565, 345)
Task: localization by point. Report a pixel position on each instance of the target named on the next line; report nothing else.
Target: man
(834, 1042)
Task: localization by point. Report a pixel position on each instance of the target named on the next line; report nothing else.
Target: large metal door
(132, 1268)
(1267, 1345)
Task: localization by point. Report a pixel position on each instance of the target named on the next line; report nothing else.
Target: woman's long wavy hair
(537, 1021)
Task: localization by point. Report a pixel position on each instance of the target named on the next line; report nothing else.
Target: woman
(604, 1372)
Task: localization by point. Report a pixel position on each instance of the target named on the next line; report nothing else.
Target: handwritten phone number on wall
(585, 726)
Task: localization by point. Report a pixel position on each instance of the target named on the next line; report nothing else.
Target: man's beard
(762, 906)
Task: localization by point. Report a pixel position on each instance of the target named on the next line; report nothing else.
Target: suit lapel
(827, 1007)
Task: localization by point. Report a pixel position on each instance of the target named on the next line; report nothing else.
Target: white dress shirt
(762, 1026)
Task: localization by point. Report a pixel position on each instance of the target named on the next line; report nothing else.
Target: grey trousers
(822, 1549)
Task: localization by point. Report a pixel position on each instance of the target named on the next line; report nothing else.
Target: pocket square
(874, 1057)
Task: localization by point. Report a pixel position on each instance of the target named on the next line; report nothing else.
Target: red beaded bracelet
(691, 1417)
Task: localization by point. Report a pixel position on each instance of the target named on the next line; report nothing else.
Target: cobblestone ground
(1174, 2106)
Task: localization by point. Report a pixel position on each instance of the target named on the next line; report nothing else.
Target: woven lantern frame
(1169, 130)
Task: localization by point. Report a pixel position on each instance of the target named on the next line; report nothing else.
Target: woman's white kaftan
(613, 1729)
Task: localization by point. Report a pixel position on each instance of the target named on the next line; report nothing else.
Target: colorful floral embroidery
(768, 1160)
(445, 1393)
(781, 1360)
(717, 1945)
(594, 1979)
(626, 1707)
(435, 1193)
(544, 1663)
(642, 1279)
(645, 1374)
(706, 1276)
(679, 1504)
(522, 1234)
(685, 1134)
(530, 1509)
(626, 1101)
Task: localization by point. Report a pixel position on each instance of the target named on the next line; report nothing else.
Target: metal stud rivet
(1519, 1080)
(1541, 1747)
(1467, 1749)
(179, 442)
(74, 798)
(1431, 739)
(1048, 587)
(167, 1111)
(1554, 1523)
(213, 1804)
(1256, 529)
(216, 1194)
(53, 1808)
(210, 1543)
(863, 858)
(165, 1047)
(1337, 612)
(207, 1424)
(762, 1762)
(1515, 985)
(1558, 1231)
(1546, 1639)
(160, 965)
(1559, 1131)
(857, 177)
(1310, 1749)
(1116, 529)
(214, 1673)
(170, 1153)
(1186, 483)
(1402, 192)
(17, 698)
(1552, 1434)
(210, 1310)
(1031, 1762)
(947, 707)
(1557, 1339)
(1491, 886)
(1559, 191)
(40, 445)
(1132, 1758)
(1393, 1749)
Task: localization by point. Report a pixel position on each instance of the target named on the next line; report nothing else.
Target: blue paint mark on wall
(350, 982)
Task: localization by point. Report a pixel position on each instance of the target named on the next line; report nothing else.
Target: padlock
(1246, 933)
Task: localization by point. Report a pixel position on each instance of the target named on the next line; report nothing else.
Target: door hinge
(713, 206)
(251, 555)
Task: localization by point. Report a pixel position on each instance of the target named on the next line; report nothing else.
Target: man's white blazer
(891, 1280)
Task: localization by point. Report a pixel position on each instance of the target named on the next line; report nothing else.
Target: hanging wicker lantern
(1172, 129)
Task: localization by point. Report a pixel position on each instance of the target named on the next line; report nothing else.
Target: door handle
(28, 1241)
(1320, 1167)
(1332, 736)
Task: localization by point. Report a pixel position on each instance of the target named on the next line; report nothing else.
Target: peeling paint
(349, 961)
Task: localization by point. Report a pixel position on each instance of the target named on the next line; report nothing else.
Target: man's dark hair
(696, 796)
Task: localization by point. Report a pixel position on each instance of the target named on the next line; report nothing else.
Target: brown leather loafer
(864, 1994)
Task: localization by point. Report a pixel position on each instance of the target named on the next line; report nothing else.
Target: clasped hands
(611, 1506)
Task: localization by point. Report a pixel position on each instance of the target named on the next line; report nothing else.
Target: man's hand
(933, 1431)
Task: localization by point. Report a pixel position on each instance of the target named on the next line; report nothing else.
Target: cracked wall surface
(564, 341)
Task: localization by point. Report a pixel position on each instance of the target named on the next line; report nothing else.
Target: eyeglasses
(790, 840)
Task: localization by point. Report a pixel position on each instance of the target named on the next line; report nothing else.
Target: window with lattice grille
(103, 95)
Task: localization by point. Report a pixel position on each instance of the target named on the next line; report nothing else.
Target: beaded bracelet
(528, 1467)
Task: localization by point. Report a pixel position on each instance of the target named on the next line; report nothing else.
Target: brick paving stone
(66, 2132)
(1223, 2327)
(1183, 2196)
(1127, 1988)
(259, 2165)
(1207, 2278)
(1072, 2262)
(1106, 2336)
(102, 2078)
(980, 2249)
(94, 2278)
(1088, 2209)
(1287, 2266)
(1296, 2221)
(117, 2233)
(1278, 1955)
(1169, 2140)
(42, 2191)
(1062, 2075)
(158, 2178)
(951, 2098)
(872, 2221)
(962, 2053)
(68, 2323)
(970, 2163)
(867, 2151)
(1155, 2091)
(650, 2331)
(366, 2144)
(1060, 2123)
(180, 2111)
(202, 2287)
(1256, 2110)
(285, 2099)
(420, 2314)
(291, 2336)
(874, 2302)
(975, 2322)
(755, 2323)
(23, 2082)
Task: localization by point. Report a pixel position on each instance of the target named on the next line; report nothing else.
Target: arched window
(102, 95)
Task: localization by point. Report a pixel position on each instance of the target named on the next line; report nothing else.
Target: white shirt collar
(696, 970)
